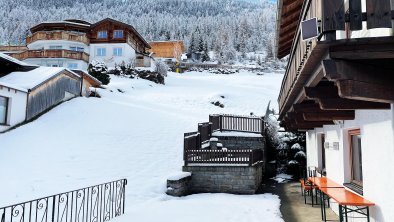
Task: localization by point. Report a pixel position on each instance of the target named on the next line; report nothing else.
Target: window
(117, 51)
(118, 34)
(101, 52)
(322, 150)
(3, 109)
(102, 35)
(55, 47)
(78, 49)
(356, 157)
(72, 66)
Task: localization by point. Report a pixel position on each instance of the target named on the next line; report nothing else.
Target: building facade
(74, 43)
(338, 89)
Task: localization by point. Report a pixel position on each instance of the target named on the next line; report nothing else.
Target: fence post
(251, 158)
(220, 122)
(262, 126)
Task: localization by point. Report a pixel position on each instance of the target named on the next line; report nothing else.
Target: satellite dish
(309, 29)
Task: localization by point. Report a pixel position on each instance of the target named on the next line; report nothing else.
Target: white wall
(61, 62)
(16, 107)
(109, 58)
(377, 132)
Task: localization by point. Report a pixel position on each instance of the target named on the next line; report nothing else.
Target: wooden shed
(167, 49)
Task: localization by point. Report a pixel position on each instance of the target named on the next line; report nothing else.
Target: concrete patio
(292, 207)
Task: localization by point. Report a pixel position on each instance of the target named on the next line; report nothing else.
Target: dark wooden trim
(379, 14)
(357, 90)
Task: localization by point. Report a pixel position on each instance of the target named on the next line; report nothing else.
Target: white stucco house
(73, 44)
(338, 89)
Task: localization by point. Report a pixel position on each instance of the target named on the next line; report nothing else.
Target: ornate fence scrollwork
(97, 203)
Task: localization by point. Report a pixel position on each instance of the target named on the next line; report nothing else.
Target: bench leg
(368, 214)
(322, 210)
(340, 213)
(346, 213)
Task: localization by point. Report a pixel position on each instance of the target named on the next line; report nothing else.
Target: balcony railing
(196, 144)
(91, 204)
(57, 35)
(333, 16)
(51, 53)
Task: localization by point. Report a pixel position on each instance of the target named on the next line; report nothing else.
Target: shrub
(99, 70)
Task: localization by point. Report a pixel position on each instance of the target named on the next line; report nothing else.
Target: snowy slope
(136, 135)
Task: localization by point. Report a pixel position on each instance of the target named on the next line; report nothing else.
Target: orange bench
(346, 198)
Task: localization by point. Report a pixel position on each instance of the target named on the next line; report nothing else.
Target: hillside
(138, 135)
(224, 26)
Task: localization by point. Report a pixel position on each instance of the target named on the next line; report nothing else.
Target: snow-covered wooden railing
(91, 204)
(222, 122)
(238, 157)
(196, 147)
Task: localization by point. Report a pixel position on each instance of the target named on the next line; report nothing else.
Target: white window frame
(101, 51)
(55, 47)
(72, 66)
(118, 37)
(100, 34)
(116, 51)
(3, 121)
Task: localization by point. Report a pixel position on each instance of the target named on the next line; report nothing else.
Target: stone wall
(225, 179)
(178, 187)
(238, 142)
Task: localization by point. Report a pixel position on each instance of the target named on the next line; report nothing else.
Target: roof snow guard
(288, 16)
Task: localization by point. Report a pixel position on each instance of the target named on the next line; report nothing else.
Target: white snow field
(136, 135)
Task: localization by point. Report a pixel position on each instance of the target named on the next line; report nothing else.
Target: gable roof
(90, 78)
(9, 64)
(129, 27)
(289, 12)
(32, 79)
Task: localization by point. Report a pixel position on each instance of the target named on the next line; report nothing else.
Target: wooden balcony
(57, 35)
(342, 69)
(52, 53)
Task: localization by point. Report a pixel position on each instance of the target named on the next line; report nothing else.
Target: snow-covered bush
(99, 70)
(161, 68)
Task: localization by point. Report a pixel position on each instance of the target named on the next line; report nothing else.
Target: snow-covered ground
(138, 135)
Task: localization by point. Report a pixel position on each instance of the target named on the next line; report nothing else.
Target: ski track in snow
(136, 135)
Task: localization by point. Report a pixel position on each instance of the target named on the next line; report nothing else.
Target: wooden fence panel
(355, 15)
(333, 15)
(378, 14)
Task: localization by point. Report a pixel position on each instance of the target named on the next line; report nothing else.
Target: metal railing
(97, 203)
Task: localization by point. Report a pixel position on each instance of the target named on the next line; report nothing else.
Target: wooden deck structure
(196, 150)
(57, 35)
(331, 76)
(51, 53)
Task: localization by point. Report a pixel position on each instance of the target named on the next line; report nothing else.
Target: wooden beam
(329, 115)
(371, 81)
(367, 49)
(328, 97)
(365, 91)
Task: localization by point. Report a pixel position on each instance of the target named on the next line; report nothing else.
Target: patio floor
(292, 207)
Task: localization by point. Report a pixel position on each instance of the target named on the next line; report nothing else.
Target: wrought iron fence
(245, 156)
(97, 203)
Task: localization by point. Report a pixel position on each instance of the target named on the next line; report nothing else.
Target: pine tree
(100, 71)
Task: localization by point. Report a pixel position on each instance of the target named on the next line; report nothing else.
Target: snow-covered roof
(64, 22)
(80, 71)
(13, 60)
(31, 79)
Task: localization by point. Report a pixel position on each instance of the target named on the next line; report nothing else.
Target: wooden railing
(245, 157)
(51, 53)
(12, 48)
(57, 35)
(333, 15)
(300, 51)
(237, 123)
(196, 144)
